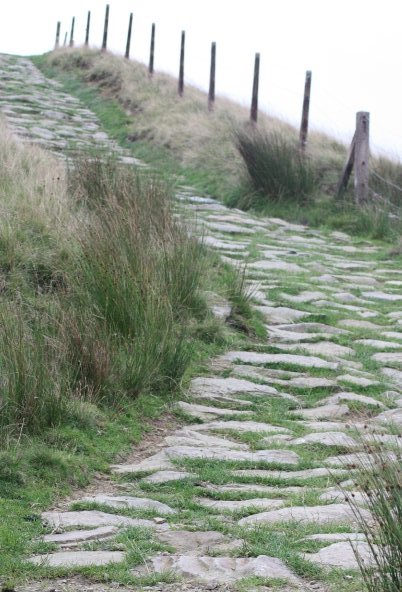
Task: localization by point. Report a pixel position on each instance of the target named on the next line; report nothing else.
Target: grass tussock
(381, 484)
(276, 169)
(99, 287)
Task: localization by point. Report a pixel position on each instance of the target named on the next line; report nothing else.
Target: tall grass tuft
(138, 272)
(276, 169)
(381, 484)
(34, 392)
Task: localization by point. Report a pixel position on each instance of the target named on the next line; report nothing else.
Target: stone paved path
(276, 427)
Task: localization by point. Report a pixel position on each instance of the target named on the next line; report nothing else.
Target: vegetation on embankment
(103, 319)
(182, 137)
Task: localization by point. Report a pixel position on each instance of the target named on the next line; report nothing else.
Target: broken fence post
(180, 87)
(105, 29)
(72, 32)
(211, 93)
(362, 154)
(305, 112)
(57, 42)
(254, 99)
(152, 51)
(128, 44)
(87, 29)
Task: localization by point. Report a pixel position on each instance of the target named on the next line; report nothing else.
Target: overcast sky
(353, 47)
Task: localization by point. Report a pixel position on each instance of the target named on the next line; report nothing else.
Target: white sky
(353, 48)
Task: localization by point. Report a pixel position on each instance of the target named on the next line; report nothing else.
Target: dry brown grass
(195, 137)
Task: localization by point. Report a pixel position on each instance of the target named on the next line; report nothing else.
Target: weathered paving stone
(342, 555)
(269, 265)
(206, 412)
(78, 558)
(358, 459)
(331, 411)
(326, 439)
(338, 495)
(392, 416)
(344, 396)
(205, 386)
(262, 358)
(198, 542)
(378, 344)
(156, 462)
(91, 519)
(189, 437)
(219, 569)
(255, 489)
(334, 513)
(280, 314)
(378, 295)
(356, 380)
(388, 358)
(255, 504)
(242, 426)
(336, 537)
(288, 475)
(330, 350)
(167, 476)
(124, 501)
(74, 537)
(270, 456)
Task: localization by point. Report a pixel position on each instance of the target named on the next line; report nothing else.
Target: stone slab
(263, 358)
(78, 558)
(125, 501)
(167, 476)
(156, 462)
(288, 475)
(219, 569)
(326, 439)
(331, 411)
(255, 504)
(342, 555)
(269, 456)
(91, 519)
(334, 513)
(73, 537)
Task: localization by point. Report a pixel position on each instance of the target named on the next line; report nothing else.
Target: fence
(358, 154)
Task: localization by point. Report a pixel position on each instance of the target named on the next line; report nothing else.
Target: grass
(103, 319)
(381, 482)
(180, 136)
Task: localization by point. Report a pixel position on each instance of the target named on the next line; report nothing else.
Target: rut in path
(260, 452)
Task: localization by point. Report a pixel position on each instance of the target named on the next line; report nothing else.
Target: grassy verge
(103, 323)
(180, 136)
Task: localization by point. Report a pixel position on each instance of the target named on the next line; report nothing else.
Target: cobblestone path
(277, 428)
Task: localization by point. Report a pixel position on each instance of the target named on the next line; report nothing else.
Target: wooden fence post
(211, 93)
(305, 112)
(254, 100)
(130, 24)
(57, 43)
(72, 32)
(152, 51)
(362, 154)
(65, 39)
(87, 29)
(347, 170)
(180, 87)
(105, 29)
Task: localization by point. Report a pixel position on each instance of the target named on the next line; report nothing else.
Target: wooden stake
(362, 153)
(130, 24)
(57, 43)
(211, 93)
(347, 170)
(105, 29)
(87, 29)
(254, 100)
(152, 51)
(65, 39)
(305, 112)
(180, 87)
(72, 32)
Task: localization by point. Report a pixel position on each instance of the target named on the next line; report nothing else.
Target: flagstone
(255, 504)
(281, 314)
(198, 542)
(287, 475)
(124, 501)
(205, 412)
(270, 456)
(156, 462)
(324, 411)
(331, 514)
(327, 349)
(388, 358)
(217, 569)
(204, 386)
(326, 439)
(392, 416)
(379, 295)
(263, 358)
(358, 459)
(91, 519)
(167, 476)
(241, 426)
(378, 344)
(78, 558)
(346, 396)
(188, 437)
(342, 555)
(74, 537)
